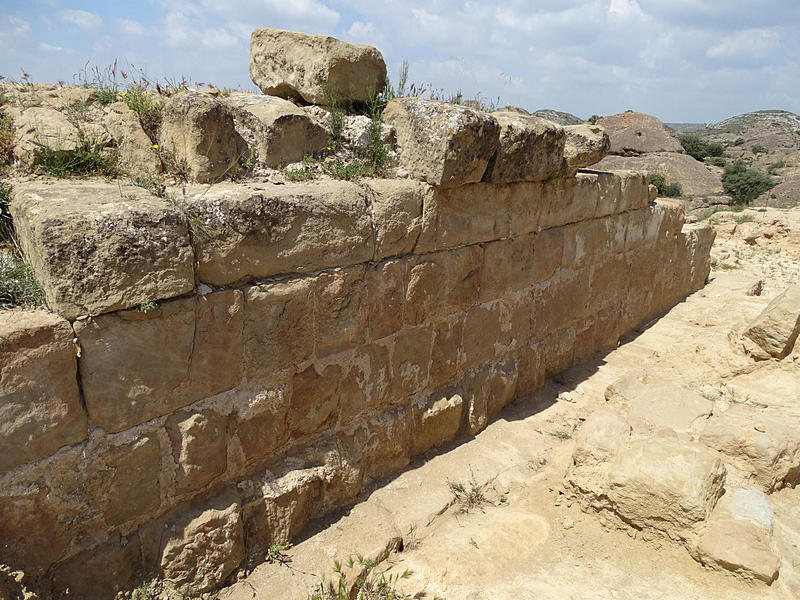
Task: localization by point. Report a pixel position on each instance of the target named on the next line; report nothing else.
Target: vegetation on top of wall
(87, 158)
(743, 183)
(17, 285)
(6, 139)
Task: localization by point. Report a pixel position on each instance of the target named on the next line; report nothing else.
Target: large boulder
(443, 144)
(283, 132)
(775, 331)
(586, 145)
(637, 133)
(695, 178)
(198, 130)
(299, 65)
(530, 149)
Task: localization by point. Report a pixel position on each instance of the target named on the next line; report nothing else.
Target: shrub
(6, 139)
(6, 225)
(716, 161)
(667, 190)
(149, 110)
(758, 149)
(738, 142)
(744, 184)
(105, 96)
(698, 148)
(593, 119)
(85, 159)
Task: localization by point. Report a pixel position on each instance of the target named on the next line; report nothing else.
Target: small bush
(758, 149)
(304, 173)
(149, 110)
(667, 190)
(106, 96)
(744, 184)
(349, 171)
(593, 119)
(716, 161)
(738, 142)
(86, 159)
(698, 148)
(6, 139)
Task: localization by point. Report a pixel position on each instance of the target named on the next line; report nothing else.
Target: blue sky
(682, 60)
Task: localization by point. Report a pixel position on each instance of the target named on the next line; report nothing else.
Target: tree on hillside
(698, 148)
(744, 184)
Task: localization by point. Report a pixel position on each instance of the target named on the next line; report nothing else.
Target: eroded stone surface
(776, 329)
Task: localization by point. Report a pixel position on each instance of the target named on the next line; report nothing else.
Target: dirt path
(524, 536)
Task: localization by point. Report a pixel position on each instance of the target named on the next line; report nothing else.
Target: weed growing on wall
(87, 158)
(6, 139)
(149, 110)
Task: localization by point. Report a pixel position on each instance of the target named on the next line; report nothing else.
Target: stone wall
(306, 339)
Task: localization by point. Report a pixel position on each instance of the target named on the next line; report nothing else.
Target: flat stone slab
(97, 247)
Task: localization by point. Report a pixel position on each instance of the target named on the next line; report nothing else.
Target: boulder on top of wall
(283, 132)
(96, 247)
(443, 144)
(586, 145)
(297, 65)
(199, 129)
(530, 149)
(638, 133)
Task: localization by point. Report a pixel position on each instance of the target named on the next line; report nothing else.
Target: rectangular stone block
(561, 302)
(386, 296)
(508, 266)
(436, 422)
(40, 406)
(396, 206)
(366, 382)
(251, 232)
(136, 366)
(447, 355)
(96, 247)
(411, 359)
(199, 447)
(525, 206)
(464, 215)
(569, 200)
(260, 423)
(548, 253)
(341, 315)
(487, 333)
(278, 327)
(133, 485)
(315, 396)
(443, 283)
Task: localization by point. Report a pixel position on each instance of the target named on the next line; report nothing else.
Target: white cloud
(45, 47)
(750, 44)
(626, 9)
(130, 27)
(83, 19)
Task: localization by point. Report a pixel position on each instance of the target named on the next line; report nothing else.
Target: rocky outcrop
(695, 178)
(559, 117)
(301, 66)
(637, 133)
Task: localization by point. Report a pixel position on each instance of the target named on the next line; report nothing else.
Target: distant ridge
(686, 127)
(556, 116)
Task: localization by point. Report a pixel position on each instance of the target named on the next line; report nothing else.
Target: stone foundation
(322, 335)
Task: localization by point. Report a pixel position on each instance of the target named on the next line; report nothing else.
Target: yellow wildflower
(155, 146)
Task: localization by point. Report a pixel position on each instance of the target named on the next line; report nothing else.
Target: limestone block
(366, 382)
(411, 357)
(283, 132)
(295, 65)
(341, 315)
(508, 266)
(94, 251)
(558, 351)
(568, 200)
(774, 332)
(601, 437)
(609, 280)
(665, 483)
(741, 546)
(447, 356)
(763, 444)
(530, 149)
(42, 125)
(199, 448)
(386, 294)
(548, 253)
(208, 545)
(560, 302)
(443, 144)
(315, 399)
(136, 365)
(396, 206)
(443, 283)
(699, 238)
(436, 422)
(40, 406)
(531, 366)
(356, 132)
(278, 325)
(470, 214)
(382, 444)
(199, 129)
(253, 232)
(261, 425)
(487, 333)
(136, 153)
(609, 200)
(133, 487)
(525, 206)
(585, 145)
(487, 390)
(592, 242)
(100, 572)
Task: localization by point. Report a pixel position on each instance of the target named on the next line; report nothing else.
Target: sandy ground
(527, 539)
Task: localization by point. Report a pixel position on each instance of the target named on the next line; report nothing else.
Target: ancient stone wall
(306, 339)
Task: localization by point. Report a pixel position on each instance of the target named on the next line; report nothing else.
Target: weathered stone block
(382, 444)
(436, 422)
(487, 333)
(136, 365)
(136, 153)
(133, 485)
(199, 448)
(443, 283)
(278, 326)
(465, 215)
(508, 266)
(366, 382)
(94, 251)
(315, 399)
(253, 232)
(261, 418)
(207, 546)
(568, 200)
(411, 357)
(775, 330)
(487, 390)
(585, 145)
(525, 206)
(443, 144)
(561, 302)
(396, 206)
(299, 65)
(447, 355)
(40, 406)
(283, 132)
(741, 546)
(530, 149)
(341, 315)
(386, 293)
(198, 130)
